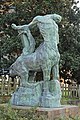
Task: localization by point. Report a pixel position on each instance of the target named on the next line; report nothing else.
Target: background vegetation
(22, 12)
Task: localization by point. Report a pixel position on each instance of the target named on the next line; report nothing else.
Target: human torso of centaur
(47, 52)
(48, 28)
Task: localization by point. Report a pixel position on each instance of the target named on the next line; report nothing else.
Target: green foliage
(7, 113)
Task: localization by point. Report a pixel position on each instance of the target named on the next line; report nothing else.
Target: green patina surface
(45, 58)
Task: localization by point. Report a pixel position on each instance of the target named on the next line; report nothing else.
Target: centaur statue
(45, 58)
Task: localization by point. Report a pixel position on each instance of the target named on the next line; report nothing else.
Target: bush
(8, 113)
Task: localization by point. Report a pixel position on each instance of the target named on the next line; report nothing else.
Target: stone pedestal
(64, 111)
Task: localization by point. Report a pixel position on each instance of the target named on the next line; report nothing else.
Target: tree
(24, 11)
(70, 44)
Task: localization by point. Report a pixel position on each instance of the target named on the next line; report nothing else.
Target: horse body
(43, 59)
(43, 55)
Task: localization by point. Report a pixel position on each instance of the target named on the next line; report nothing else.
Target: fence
(8, 85)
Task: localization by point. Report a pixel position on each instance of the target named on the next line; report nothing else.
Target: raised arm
(24, 27)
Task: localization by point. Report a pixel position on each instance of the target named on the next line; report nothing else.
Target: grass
(8, 113)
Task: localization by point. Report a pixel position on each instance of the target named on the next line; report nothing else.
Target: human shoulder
(37, 17)
(43, 19)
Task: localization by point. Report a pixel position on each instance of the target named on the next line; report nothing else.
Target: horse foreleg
(46, 77)
(24, 79)
(24, 75)
(55, 72)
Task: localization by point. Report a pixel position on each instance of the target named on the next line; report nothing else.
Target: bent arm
(33, 23)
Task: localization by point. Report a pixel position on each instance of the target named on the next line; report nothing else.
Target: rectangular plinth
(63, 111)
(52, 113)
